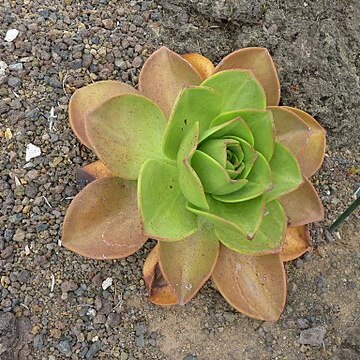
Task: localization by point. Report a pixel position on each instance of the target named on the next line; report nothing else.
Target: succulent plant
(202, 159)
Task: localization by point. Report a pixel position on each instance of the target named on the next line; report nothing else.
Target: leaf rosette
(203, 160)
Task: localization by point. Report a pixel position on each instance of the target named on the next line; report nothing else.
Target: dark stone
(113, 319)
(14, 82)
(23, 276)
(94, 349)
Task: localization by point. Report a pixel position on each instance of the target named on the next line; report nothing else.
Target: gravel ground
(52, 302)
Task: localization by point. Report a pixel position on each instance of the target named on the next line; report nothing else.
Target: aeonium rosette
(204, 161)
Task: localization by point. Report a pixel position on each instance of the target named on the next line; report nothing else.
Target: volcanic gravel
(52, 303)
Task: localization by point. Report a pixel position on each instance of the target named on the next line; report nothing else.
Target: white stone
(11, 35)
(107, 283)
(32, 151)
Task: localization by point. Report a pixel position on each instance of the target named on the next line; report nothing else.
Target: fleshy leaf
(268, 238)
(297, 242)
(259, 180)
(196, 104)
(164, 75)
(239, 90)
(160, 292)
(124, 132)
(253, 285)
(88, 98)
(259, 61)
(102, 221)
(189, 182)
(313, 154)
(91, 172)
(250, 156)
(303, 205)
(260, 128)
(244, 217)
(285, 172)
(290, 130)
(216, 149)
(201, 63)
(214, 178)
(242, 130)
(162, 204)
(188, 263)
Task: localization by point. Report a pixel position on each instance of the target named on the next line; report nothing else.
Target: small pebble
(314, 336)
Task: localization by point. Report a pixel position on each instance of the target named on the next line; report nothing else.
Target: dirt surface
(52, 305)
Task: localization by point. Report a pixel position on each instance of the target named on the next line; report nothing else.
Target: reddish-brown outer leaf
(290, 130)
(91, 172)
(160, 292)
(297, 242)
(202, 64)
(88, 98)
(259, 61)
(313, 155)
(188, 263)
(102, 221)
(254, 285)
(164, 75)
(303, 205)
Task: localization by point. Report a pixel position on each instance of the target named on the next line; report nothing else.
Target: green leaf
(162, 204)
(216, 149)
(235, 129)
(225, 117)
(189, 182)
(197, 104)
(124, 132)
(261, 128)
(213, 176)
(285, 172)
(259, 180)
(268, 238)
(188, 263)
(250, 156)
(239, 90)
(244, 217)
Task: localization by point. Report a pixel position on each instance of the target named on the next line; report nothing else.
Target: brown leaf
(188, 263)
(91, 172)
(102, 221)
(303, 205)
(202, 64)
(259, 61)
(88, 98)
(159, 290)
(314, 152)
(290, 130)
(164, 75)
(297, 242)
(253, 285)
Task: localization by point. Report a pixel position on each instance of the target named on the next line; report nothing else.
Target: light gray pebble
(16, 67)
(38, 342)
(314, 336)
(14, 82)
(64, 347)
